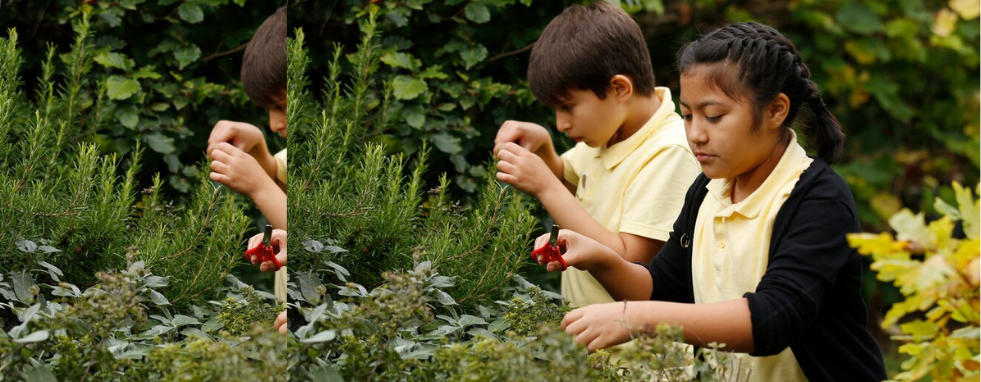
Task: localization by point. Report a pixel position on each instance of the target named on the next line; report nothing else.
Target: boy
(240, 158)
(624, 183)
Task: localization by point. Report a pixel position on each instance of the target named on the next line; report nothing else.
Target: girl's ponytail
(829, 138)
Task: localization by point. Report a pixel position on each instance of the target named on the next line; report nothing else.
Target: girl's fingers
(570, 318)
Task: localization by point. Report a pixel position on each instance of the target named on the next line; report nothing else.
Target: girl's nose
(696, 134)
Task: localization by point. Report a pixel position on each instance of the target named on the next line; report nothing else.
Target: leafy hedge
(161, 72)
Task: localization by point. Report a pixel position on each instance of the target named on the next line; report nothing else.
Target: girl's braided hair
(757, 64)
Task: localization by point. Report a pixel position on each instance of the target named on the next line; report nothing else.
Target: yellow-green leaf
(920, 328)
(911, 227)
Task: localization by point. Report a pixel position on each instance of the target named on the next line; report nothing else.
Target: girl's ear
(622, 87)
(776, 112)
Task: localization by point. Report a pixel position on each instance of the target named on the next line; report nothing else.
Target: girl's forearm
(726, 322)
(622, 279)
(271, 201)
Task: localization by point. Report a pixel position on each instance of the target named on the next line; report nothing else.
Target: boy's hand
(524, 170)
(578, 251)
(278, 242)
(242, 135)
(237, 170)
(280, 324)
(599, 326)
(526, 134)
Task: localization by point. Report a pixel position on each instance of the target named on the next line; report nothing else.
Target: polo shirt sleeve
(655, 196)
(281, 166)
(572, 165)
(803, 267)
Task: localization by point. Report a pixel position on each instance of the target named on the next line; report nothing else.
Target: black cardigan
(810, 296)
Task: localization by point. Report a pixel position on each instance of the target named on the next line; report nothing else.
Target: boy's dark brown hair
(583, 48)
(264, 63)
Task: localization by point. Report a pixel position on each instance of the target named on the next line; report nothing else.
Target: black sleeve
(671, 268)
(803, 266)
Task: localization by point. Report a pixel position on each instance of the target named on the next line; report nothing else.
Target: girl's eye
(686, 117)
(713, 119)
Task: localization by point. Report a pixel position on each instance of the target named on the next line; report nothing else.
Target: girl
(758, 258)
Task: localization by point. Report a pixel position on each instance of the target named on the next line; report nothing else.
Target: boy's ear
(776, 112)
(622, 87)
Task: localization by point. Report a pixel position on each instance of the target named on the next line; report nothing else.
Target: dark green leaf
(477, 13)
(112, 60)
(407, 88)
(120, 88)
(191, 13)
(187, 55)
(415, 116)
(473, 55)
(399, 60)
(128, 116)
(160, 143)
(447, 143)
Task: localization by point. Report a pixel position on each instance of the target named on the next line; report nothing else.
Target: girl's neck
(746, 183)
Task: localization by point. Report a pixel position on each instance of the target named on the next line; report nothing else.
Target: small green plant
(120, 330)
(937, 274)
(238, 315)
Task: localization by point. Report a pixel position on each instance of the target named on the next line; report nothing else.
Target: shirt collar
(792, 163)
(613, 155)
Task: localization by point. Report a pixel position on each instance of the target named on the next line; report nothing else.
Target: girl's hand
(599, 326)
(578, 251)
(280, 324)
(278, 242)
(524, 170)
(530, 136)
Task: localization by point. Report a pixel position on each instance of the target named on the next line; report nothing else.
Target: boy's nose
(562, 124)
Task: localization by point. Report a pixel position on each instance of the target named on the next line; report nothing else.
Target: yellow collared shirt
(636, 186)
(731, 250)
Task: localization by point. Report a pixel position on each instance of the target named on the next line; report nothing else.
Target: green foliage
(938, 275)
(374, 208)
(238, 316)
(455, 71)
(118, 331)
(67, 205)
(404, 330)
(159, 73)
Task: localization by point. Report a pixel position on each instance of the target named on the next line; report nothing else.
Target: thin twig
(225, 53)
(511, 53)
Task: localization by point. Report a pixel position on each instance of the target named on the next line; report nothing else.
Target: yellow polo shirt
(279, 285)
(281, 165)
(636, 186)
(732, 246)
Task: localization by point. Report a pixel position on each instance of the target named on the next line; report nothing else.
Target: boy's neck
(639, 111)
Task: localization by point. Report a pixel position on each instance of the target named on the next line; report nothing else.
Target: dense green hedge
(169, 68)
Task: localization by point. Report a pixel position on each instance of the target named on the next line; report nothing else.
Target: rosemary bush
(83, 212)
(376, 204)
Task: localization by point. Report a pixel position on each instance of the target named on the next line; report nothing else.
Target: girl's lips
(703, 157)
